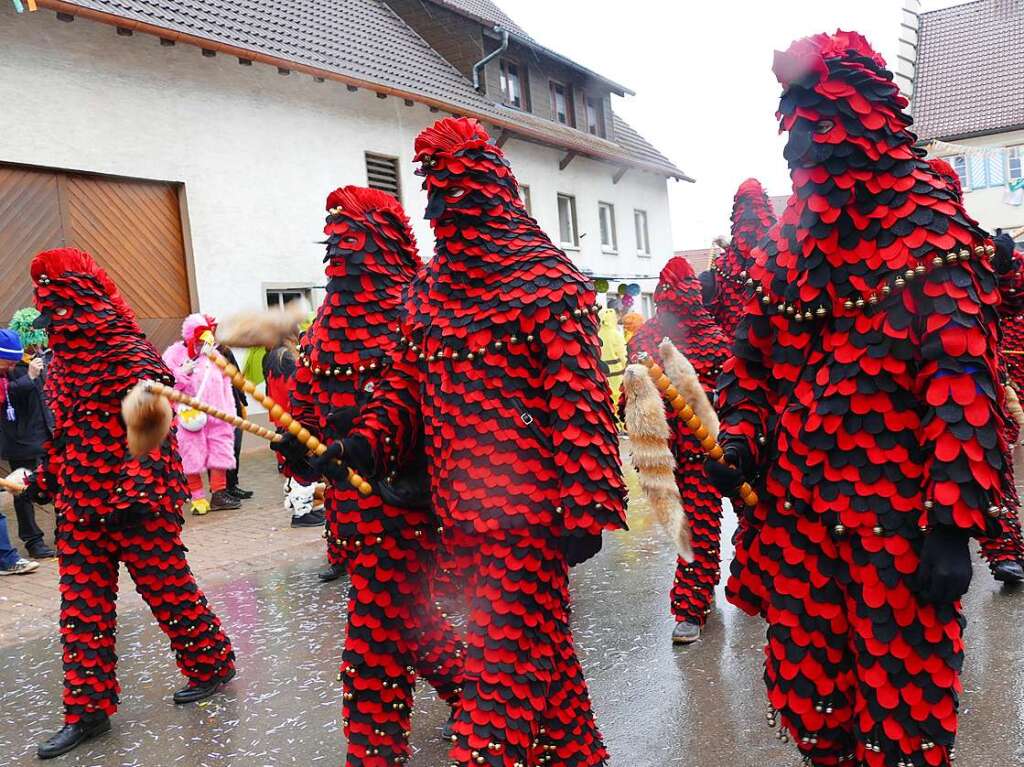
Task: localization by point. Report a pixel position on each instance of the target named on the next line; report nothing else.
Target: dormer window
(511, 84)
(595, 116)
(561, 104)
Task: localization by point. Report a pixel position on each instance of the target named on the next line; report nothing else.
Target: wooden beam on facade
(619, 174)
(564, 163)
(504, 136)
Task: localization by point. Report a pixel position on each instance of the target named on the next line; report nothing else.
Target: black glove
(1003, 258)
(340, 421)
(944, 572)
(294, 453)
(326, 464)
(125, 518)
(727, 477)
(579, 546)
(35, 494)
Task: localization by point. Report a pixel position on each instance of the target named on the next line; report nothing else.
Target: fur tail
(1015, 409)
(681, 373)
(148, 418)
(649, 445)
(268, 329)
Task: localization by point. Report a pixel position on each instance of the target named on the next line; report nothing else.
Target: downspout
(490, 57)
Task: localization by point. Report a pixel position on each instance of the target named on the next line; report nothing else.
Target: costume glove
(294, 453)
(727, 477)
(1003, 258)
(944, 572)
(579, 546)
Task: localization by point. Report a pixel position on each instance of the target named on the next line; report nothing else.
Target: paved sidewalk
(222, 546)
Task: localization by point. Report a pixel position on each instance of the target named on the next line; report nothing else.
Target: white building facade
(253, 152)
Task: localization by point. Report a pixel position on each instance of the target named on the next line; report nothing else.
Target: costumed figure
(500, 370)
(752, 218)
(682, 318)
(387, 539)
(206, 444)
(111, 508)
(1003, 552)
(863, 399)
(631, 322)
(613, 350)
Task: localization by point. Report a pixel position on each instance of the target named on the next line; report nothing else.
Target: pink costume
(212, 446)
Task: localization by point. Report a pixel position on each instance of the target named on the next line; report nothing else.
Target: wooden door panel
(30, 221)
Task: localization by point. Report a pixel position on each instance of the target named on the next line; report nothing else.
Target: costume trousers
(395, 634)
(693, 590)
(28, 529)
(155, 559)
(859, 671)
(525, 702)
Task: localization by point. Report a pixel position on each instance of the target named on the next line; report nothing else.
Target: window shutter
(382, 174)
(996, 168)
(976, 164)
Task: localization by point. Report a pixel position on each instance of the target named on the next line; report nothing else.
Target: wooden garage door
(132, 228)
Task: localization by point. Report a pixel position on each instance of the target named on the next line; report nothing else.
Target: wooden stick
(155, 387)
(11, 487)
(693, 423)
(279, 415)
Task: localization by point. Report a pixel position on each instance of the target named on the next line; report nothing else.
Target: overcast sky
(705, 92)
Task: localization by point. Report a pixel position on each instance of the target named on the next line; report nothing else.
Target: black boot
(1008, 572)
(332, 573)
(195, 691)
(222, 500)
(71, 736)
(239, 493)
(313, 518)
(448, 731)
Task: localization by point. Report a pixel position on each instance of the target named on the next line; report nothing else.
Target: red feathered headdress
(450, 135)
(805, 62)
(70, 268)
(359, 212)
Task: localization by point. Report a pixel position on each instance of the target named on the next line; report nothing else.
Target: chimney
(906, 57)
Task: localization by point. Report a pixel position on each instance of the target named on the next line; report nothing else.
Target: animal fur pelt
(1016, 411)
(649, 445)
(681, 373)
(268, 329)
(148, 419)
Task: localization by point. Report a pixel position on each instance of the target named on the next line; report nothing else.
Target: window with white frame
(647, 304)
(278, 298)
(511, 85)
(561, 103)
(959, 163)
(609, 237)
(595, 115)
(524, 195)
(643, 240)
(1014, 162)
(568, 231)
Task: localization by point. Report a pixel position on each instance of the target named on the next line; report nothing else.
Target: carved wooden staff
(693, 423)
(279, 415)
(155, 387)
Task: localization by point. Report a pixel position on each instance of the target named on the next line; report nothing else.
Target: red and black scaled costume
(1004, 552)
(863, 398)
(111, 508)
(682, 318)
(395, 631)
(752, 218)
(500, 368)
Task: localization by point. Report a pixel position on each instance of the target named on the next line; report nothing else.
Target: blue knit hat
(10, 346)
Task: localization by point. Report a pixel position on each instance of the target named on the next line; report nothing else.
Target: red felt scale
(99, 355)
(682, 318)
(500, 364)
(865, 386)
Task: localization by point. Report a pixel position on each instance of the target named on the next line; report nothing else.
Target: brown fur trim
(148, 418)
(648, 444)
(1014, 408)
(268, 329)
(681, 373)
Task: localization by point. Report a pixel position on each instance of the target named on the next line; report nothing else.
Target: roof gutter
(110, 19)
(478, 67)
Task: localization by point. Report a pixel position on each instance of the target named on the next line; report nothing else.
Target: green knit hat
(21, 323)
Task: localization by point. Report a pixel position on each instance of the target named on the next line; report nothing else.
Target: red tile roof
(361, 42)
(970, 70)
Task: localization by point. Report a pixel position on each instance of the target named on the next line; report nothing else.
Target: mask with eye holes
(464, 174)
(368, 232)
(77, 301)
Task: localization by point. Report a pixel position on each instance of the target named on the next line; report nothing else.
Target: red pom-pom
(450, 135)
(359, 200)
(948, 174)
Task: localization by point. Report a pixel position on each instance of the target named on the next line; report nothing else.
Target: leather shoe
(332, 573)
(71, 736)
(685, 633)
(41, 551)
(1008, 572)
(222, 500)
(239, 493)
(196, 691)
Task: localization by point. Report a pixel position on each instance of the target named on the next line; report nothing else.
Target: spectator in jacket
(25, 425)
(241, 410)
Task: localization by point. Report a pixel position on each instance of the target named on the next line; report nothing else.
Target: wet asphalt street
(700, 707)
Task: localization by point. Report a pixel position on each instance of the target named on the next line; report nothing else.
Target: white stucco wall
(986, 205)
(256, 151)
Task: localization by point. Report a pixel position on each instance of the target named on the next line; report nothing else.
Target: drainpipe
(490, 57)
